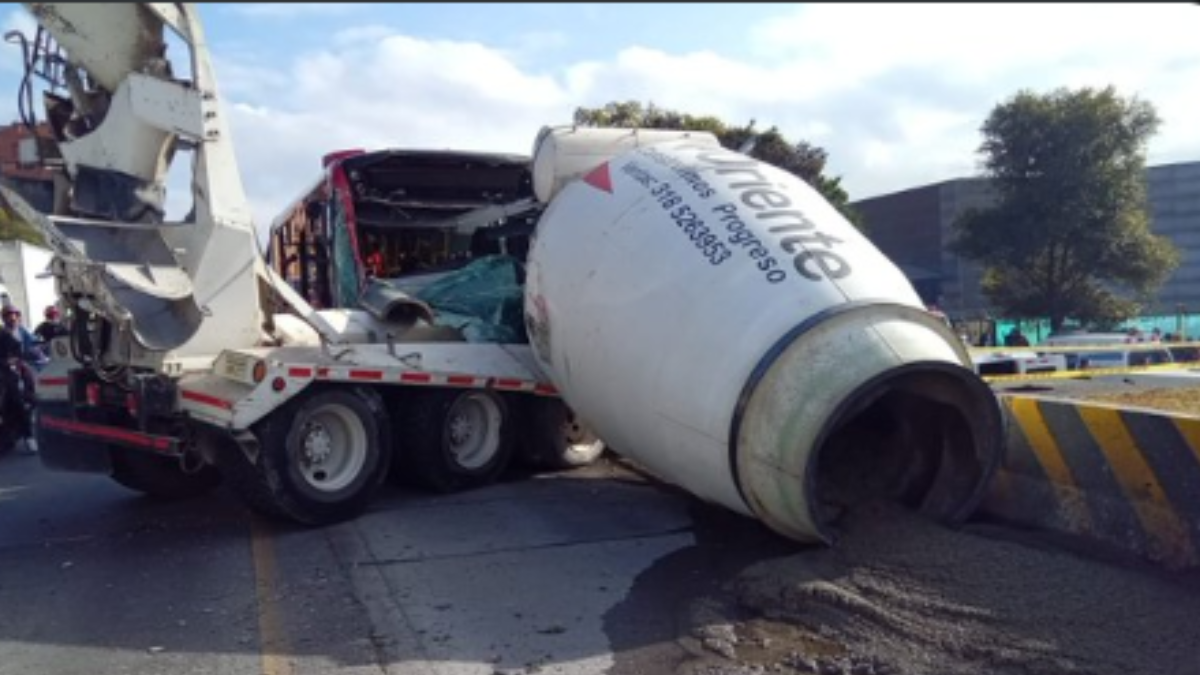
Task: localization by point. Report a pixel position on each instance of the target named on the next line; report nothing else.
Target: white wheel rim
(472, 430)
(333, 448)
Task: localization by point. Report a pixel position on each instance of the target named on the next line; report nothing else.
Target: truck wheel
(13, 427)
(9, 438)
(321, 458)
(558, 439)
(457, 440)
(161, 477)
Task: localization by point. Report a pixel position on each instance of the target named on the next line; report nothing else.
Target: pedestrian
(51, 328)
(30, 353)
(1015, 338)
(15, 371)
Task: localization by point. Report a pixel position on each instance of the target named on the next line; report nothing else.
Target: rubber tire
(274, 485)
(423, 442)
(161, 477)
(8, 441)
(549, 445)
(10, 434)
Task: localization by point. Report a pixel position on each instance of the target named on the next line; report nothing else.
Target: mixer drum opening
(923, 436)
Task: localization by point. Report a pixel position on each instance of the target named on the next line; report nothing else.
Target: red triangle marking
(599, 178)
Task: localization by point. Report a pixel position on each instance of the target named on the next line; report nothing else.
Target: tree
(1069, 233)
(802, 159)
(12, 227)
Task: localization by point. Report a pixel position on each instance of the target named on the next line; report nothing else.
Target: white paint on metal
(659, 282)
(109, 40)
(563, 154)
(333, 448)
(170, 106)
(121, 47)
(226, 398)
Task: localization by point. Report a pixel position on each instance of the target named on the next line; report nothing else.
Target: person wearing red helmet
(19, 352)
(52, 327)
(30, 352)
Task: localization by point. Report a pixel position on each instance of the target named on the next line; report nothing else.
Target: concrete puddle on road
(900, 595)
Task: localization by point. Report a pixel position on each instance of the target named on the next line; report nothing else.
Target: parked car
(1109, 350)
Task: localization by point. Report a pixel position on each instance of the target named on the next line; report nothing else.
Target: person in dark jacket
(16, 401)
(1016, 338)
(52, 327)
(30, 352)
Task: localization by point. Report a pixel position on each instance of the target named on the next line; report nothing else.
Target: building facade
(21, 167)
(1175, 211)
(913, 228)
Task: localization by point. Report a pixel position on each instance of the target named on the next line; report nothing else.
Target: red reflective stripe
(505, 383)
(547, 389)
(322, 372)
(136, 438)
(423, 378)
(206, 399)
(460, 379)
(300, 372)
(53, 381)
(366, 374)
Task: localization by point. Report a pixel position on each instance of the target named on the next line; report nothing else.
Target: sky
(896, 94)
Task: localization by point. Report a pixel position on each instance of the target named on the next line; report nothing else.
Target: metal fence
(1182, 327)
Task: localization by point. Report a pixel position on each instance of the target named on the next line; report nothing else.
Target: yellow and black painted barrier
(1120, 476)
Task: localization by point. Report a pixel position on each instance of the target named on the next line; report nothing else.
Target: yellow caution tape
(1092, 372)
(1113, 347)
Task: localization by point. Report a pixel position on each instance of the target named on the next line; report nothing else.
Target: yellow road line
(1167, 531)
(272, 643)
(1190, 430)
(1029, 417)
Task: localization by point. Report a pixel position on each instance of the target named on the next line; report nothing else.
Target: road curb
(1121, 476)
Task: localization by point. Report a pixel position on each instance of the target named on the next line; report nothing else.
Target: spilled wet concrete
(900, 595)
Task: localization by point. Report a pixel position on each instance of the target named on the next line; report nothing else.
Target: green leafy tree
(1069, 232)
(14, 228)
(800, 158)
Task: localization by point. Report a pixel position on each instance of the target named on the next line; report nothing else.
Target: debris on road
(900, 595)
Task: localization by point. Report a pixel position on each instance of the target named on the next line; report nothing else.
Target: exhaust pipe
(716, 320)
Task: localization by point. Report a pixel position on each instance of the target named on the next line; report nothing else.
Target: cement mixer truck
(707, 314)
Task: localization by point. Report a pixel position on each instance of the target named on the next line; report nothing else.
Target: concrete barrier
(1120, 476)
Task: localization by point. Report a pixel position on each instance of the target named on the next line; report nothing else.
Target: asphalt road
(583, 572)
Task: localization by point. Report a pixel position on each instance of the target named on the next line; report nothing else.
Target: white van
(1109, 350)
(1086, 340)
(1018, 362)
(1135, 357)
